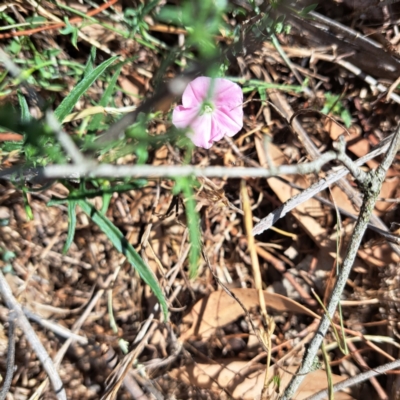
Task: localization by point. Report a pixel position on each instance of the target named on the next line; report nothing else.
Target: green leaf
(28, 209)
(73, 30)
(346, 117)
(90, 62)
(106, 197)
(36, 19)
(184, 185)
(263, 94)
(306, 10)
(7, 255)
(69, 102)
(106, 202)
(14, 47)
(25, 114)
(94, 124)
(71, 225)
(123, 246)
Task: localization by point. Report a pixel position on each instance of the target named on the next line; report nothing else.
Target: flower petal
(226, 117)
(224, 92)
(201, 131)
(199, 126)
(183, 117)
(196, 92)
(226, 122)
(227, 93)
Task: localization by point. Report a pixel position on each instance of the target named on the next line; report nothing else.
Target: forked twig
(314, 189)
(371, 188)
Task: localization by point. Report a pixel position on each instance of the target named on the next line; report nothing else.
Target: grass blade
(94, 124)
(123, 246)
(69, 102)
(184, 185)
(71, 225)
(25, 114)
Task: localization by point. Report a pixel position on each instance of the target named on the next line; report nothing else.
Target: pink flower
(210, 114)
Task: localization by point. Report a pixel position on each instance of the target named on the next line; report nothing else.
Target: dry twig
(32, 338)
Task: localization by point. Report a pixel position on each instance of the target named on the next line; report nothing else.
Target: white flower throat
(206, 108)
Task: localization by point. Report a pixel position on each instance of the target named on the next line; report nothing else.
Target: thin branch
(303, 52)
(65, 140)
(10, 357)
(310, 192)
(355, 380)
(313, 151)
(390, 237)
(54, 327)
(371, 190)
(32, 338)
(69, 171)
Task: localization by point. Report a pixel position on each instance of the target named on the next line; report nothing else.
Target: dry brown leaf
(360, 148)
(334, 129)
(131, 88)
(244, 380)
(161, 156)
(219, 309)
(99, 33)
(342, 200)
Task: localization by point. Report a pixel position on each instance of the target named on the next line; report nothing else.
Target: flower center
(206, 108)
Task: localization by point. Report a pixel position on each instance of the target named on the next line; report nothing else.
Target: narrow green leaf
(106, 202)
(28, 209)
(263, 94)
(90, 62)
(71, 225)
(94, 124)
(69, 102)
(184, 185)
(149, 7)
(306, 10)
(25, 114)
(73, 30)
(123, 246)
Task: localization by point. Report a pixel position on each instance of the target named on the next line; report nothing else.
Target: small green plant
(333, 105)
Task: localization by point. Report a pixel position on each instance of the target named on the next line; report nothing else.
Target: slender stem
(87, 169)
(65, 140)
(371, 192)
